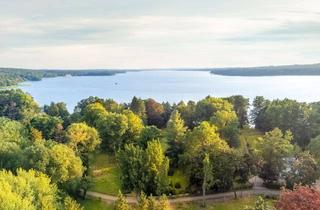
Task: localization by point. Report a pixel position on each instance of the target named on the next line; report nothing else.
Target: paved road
(257, 189)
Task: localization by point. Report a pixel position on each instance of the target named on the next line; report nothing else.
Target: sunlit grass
(92, 204)
(249, 136)
(105, 173)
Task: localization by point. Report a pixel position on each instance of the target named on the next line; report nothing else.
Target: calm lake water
(172, 86)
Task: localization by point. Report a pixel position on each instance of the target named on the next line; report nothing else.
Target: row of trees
(13, 76)
(301, 119)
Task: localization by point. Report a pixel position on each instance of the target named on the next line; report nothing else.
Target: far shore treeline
(287, 70)
(13, 76)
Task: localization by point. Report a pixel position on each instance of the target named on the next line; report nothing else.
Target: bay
(171, 86)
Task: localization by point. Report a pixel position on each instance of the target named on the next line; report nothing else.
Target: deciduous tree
(274, 148)
(138, 107)
(27, 190)
(303, 169)
(81, 137)
(300, 198)
(175, 133)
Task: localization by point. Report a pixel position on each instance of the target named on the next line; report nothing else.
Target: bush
(177, 185)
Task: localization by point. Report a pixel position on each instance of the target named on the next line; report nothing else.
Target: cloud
(288, 32)
(141, 33)
(141, 29)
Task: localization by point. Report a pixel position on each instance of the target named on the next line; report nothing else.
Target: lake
(172, 86)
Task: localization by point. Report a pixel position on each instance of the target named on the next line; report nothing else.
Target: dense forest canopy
(150, 142)
(12, 76)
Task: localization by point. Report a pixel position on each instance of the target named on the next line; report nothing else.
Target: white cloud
(158, 35)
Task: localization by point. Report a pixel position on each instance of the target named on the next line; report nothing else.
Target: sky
(83, 34)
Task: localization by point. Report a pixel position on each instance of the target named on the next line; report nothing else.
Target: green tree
(36, 135)
(70, 204)
(228, 126)
(175, 133)
(135, 126)
(207, 176)
(131, 163)
(163, 203)
(204, 139)
(138, 107)
(167, 111)
(244, 168)
(92, 113)
(112, 127)
(258, 112)
(58, 110)
(286, 115)
(113, 106)
(13, 139)
(121, 203)
(64, 165)
(81, 137)
(149, 133)
(188, 113)
(314, 148)
(37, 156)
(152, 203)
(302, 170)
(143, 202)
(274, 147)
(206, 108)
(50, 127)
(156, 166)
(241, 106)
(85, 102)
(28, 190)
(144, 170)
(17, 105)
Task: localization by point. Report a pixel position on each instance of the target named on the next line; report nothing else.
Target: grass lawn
(105, 173)
(90, 204)
(249, 136)
(238, 204)
(182, 179)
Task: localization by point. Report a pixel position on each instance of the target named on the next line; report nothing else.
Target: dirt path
(257, 189)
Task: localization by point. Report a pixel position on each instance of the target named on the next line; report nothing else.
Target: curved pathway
(257, 189)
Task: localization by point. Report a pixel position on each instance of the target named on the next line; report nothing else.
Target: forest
(13, 76)
(48, 156)
(308, 69)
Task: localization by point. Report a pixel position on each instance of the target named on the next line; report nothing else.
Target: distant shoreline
(288, 70)
(14, 76)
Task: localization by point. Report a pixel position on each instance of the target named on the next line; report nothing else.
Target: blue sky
(158, 34)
